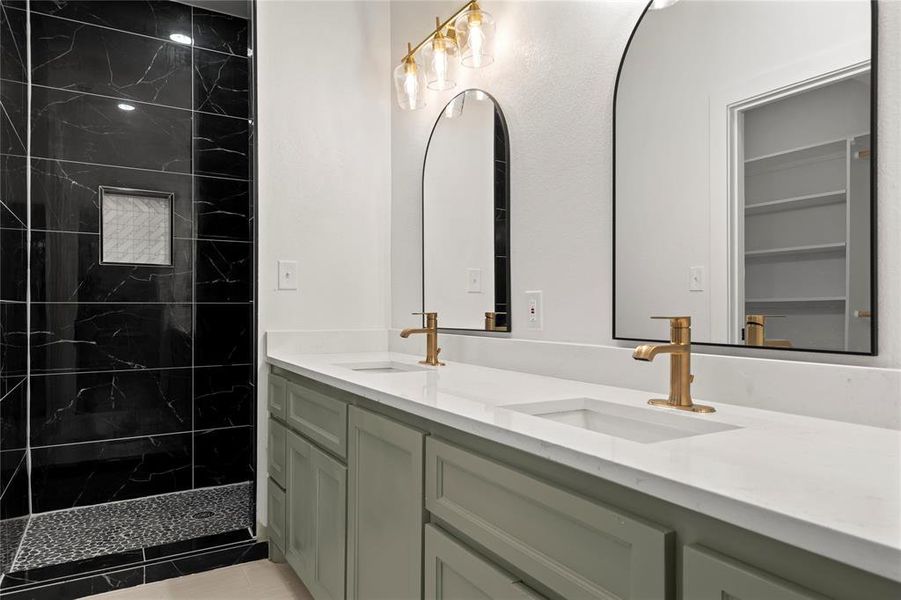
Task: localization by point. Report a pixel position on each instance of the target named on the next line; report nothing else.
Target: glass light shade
(440, 59)
(409, 83)
(475, 35)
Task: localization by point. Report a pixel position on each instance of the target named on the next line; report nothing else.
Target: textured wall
(554, 79)
(324, 168)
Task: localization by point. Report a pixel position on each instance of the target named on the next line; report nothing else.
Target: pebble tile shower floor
(76, 534)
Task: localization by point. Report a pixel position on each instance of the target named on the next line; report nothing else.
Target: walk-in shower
(127, 319)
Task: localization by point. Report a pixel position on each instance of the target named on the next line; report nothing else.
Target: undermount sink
(388, 366)
(638, 424)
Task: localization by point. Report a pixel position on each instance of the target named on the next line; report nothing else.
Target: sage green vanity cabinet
(707, 575)
(455, 572)
(385, 507)
(574, 546)
(276, 452)
(318, 416)
(277, 506)
(278, 388)
(316, 497)
(367, 501)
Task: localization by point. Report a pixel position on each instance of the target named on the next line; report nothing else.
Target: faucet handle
(677, 322)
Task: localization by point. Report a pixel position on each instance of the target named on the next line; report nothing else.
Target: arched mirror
(744, 174)
(465, 216)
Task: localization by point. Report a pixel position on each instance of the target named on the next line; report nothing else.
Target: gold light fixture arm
(439, 27)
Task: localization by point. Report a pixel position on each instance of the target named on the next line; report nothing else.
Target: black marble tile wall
(65, 195)
(223, 456)
(80, 407)
(79, 127)
(14, 507)
(136, 372)
(65, 55)
(73, 475)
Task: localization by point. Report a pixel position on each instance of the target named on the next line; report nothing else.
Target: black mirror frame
(874, 329)
(505, 278)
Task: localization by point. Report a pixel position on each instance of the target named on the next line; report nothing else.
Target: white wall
(324, 167)
(459, 215)
(554, 79)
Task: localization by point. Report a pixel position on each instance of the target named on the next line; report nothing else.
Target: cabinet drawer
(277, 515)
(318, 416)
(278, 388)
(708, 575)
(454, 572)
(276, 451)
(575, 546)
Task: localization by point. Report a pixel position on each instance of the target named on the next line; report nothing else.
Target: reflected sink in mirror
(387, 366)
(638, 424)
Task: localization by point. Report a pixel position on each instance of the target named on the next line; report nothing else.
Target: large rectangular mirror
(744, 174)
(465, 216)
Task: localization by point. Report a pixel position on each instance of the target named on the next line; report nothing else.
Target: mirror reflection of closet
(805, 192)
(744, 174)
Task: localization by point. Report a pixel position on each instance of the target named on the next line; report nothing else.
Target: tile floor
(65, 536)
(262, 579)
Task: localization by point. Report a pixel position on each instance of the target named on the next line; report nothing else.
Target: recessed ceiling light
(181, 38)
(125, 107)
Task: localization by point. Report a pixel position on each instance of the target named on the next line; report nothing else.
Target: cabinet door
(277, 452)
(330, 528)
(278, 391)
(453, 572)
(386, 513)
(276, 515)
(707, 575)
(317, 511)
(300, 551)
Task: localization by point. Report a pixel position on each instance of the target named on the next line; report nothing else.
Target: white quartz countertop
(829, 487)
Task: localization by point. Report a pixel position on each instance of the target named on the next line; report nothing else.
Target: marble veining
(221, 83)
(82, 57)
(65, 536)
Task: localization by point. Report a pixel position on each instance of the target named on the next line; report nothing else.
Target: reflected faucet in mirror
(679, 350)
(431, 335)
(491, 321)
(755, 332)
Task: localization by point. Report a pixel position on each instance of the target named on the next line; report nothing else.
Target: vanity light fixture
(467, 36)
(439, 56)
(181, 38)
(475, 30)
(409, 82)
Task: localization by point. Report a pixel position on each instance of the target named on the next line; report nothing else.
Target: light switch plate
(287, 275)
(474, 281)
(696, 279)
(534, 308)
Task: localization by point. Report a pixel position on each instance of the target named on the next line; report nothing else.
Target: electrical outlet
(474, 281)
(534, 308)
(287, 275)
(695, 279)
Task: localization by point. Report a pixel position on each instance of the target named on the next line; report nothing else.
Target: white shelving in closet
(798, 202)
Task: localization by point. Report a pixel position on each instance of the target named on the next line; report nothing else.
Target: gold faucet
(680, 365)
(491, 321)
(755, 332)
(431, 344)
